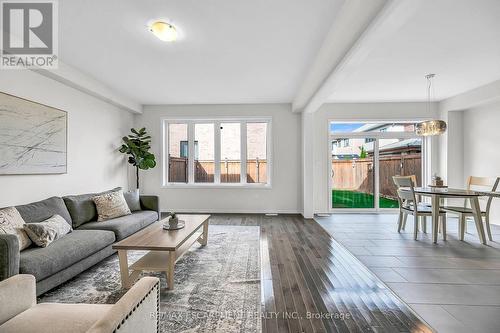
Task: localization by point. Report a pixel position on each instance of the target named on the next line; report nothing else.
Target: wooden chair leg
(443, 223)
(400, 221)
(405, 217)
(424, 224)
(415, 228)
(488, 230)
(462, 222)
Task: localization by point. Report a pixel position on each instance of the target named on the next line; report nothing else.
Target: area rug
(217, 287)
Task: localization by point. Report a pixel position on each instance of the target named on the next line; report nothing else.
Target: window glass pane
(204, 163)
(353, 173)
(257, 153)
(398, 157)
(371, 127)
(178, 153)
(230, 139)
(184, 149)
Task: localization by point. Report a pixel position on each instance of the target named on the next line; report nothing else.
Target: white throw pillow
(111, 205)
(45, 232)
(12, 223)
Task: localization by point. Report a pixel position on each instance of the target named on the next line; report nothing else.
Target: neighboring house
(230, 138)
(346, 149)
(350, 148)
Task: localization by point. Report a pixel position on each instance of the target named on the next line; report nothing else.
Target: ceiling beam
(355, 32)
(486, 94)
(72, 77)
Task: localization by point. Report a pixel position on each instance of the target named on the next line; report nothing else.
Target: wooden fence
(205, 170)
(358, 175)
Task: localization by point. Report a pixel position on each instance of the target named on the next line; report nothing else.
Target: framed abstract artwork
(33, 137)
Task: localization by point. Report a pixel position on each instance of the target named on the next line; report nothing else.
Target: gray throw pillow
(82, 208)
(133, 200)
(44, 233)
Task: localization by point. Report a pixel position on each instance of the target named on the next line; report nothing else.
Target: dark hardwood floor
(310, 283)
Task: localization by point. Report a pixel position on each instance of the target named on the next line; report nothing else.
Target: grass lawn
(352, 199)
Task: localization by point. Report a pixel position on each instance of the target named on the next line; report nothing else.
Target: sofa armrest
(137, 310)
(151, 202)
(9, 256)
(17, 294)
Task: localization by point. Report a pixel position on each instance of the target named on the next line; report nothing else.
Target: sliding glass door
(363, 159)
(353, 174)
(397, 157)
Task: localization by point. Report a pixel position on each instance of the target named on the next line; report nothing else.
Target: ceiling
(459, 40)
(230, 51)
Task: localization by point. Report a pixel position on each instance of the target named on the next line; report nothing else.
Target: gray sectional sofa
(88, 243)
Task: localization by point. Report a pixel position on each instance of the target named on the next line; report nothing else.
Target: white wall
(94, 132)
(358, 112)
(285, 194)
(455, 176)
(481, 154)
(307, 156)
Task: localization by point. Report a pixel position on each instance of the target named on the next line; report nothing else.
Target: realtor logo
(29, 34)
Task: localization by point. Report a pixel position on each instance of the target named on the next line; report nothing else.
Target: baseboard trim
(232, 211)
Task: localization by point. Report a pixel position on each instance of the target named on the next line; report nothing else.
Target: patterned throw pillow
(45, 232)
(12, 223)
(111, 205)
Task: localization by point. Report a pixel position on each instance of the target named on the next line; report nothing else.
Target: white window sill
(218, 186)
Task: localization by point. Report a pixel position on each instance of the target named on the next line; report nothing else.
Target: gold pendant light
(430, 127)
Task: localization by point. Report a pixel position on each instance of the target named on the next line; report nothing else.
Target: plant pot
(173, 224)
(173, 221)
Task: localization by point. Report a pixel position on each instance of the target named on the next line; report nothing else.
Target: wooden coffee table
(165, 248)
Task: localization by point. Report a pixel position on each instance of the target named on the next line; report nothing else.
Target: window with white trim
(217, 152)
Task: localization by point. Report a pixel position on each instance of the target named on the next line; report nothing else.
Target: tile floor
(454, 286)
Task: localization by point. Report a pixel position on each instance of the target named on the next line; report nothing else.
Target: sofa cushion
(41, 210)
(64, 252)
(124, 226)
(56, 317)
(82, 208)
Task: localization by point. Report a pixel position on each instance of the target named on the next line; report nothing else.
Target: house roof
(369, 127)
(406, 143)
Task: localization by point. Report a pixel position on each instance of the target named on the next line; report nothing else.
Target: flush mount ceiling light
(164, 31)
(430, 127)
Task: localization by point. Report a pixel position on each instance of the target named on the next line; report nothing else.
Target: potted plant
(137, 145)
(173, 219)
(173, 223)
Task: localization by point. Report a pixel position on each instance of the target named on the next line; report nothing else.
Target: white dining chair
(423, 221)
(409, 205)
(481, 184)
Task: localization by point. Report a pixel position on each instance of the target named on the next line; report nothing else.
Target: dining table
(438, 193)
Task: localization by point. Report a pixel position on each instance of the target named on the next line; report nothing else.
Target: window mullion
(217, 152)
(269, 152)
(376, 180)
(243, 158)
